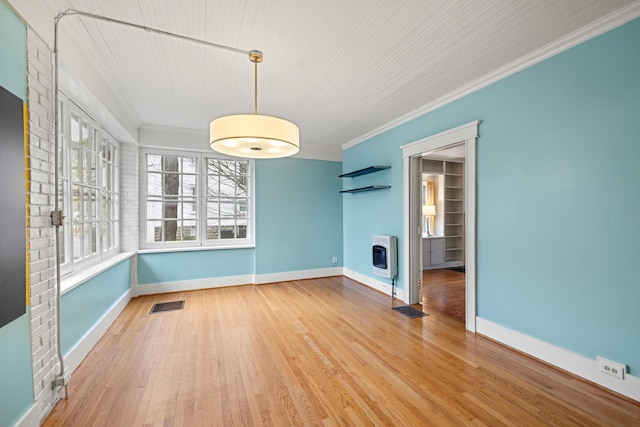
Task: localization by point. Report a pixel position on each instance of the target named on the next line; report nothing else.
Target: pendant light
(254, 135)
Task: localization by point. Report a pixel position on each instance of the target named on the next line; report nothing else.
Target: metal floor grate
(409, 311)
(167, 306)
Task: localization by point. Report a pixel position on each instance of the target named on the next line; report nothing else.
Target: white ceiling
(339, 69)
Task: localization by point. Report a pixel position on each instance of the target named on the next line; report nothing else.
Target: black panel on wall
(13, 244)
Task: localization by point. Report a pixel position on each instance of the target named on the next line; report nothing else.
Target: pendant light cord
(255, 86)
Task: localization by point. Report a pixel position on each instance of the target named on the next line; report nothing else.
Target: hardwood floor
(443, 290)
(326, 352)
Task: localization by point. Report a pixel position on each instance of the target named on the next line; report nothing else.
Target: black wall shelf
(369, 188)
(370, 169)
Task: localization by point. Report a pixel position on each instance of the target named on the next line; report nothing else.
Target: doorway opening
(462, 201)
(443, 232)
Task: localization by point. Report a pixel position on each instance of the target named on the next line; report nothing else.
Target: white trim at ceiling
(596, 28)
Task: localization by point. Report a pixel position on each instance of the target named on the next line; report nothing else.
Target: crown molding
(594, 29)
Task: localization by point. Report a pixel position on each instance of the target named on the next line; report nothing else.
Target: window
(195, 200)
(88, 189)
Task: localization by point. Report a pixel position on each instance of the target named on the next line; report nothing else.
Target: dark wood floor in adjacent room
(326, 352)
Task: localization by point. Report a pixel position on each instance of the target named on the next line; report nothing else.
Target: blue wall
(16, 394)
(83, 307)
(13, 50)
(298, 215)
(190, 265)
(558, 203)
(375, 212)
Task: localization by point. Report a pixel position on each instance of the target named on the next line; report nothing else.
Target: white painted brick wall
(129, 195)
(41, 234)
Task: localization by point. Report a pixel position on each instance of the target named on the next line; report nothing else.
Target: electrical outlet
(334, 260)
(611, 368)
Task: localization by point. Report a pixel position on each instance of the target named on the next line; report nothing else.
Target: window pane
(86, 234)
(213, 229)
(106, 236)
(189, 231)
(213, 184)
(77, 241)
(243, 168)
(75, 129)
(86, 160)
(189, 165)
(85, 205)
(170, 208)
(76, 165)
(154, 209)
(76, 206)
(227, 209)
(84, 135)
(241, 186)
(241, 208)
(189, 185)
(105, 208)
(93, 228)
(189, 209)
(212, 167)
(154, 184)
(115, 211)
(154, 231)
(227, 229)
(170, 163)
(242, 228)
(154, 163)
(115, 240)
(227, 167)
(227, 187)
(170, 231)
(93, 205)
(171, 184)
(213, 210)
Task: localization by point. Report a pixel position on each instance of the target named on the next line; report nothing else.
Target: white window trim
(200, 243)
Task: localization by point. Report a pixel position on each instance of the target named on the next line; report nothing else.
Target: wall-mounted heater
(385, 255)
(385, 259)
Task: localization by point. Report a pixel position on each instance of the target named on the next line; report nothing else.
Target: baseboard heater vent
(167, 306)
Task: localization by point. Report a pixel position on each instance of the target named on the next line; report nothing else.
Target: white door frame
(412, 264)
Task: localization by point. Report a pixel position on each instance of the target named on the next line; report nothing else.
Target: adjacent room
(283, 212)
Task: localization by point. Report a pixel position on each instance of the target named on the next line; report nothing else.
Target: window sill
(194, 248)
(74, 280)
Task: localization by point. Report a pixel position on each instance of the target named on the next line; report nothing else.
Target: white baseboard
(562, 358)
(220, 282)
(297, 275)
(30, 418)
(193, 285)
(376, 284)
(73, 358)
